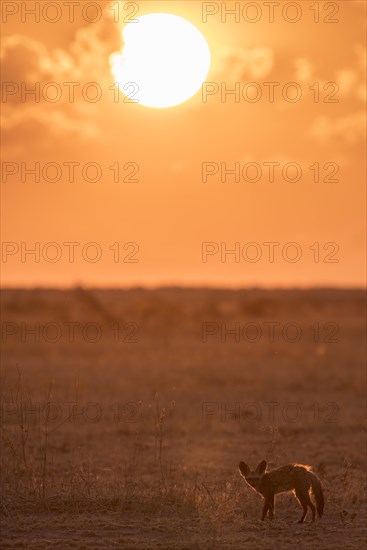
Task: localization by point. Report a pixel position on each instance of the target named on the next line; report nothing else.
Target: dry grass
(149, 471)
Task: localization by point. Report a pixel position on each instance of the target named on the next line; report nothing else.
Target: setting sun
(163, 62)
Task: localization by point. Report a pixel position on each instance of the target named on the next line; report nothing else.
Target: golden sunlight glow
(163, 62)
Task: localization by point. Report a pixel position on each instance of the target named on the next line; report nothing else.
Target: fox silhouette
(291, 477)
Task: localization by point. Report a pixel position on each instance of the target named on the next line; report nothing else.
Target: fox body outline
(291, 477)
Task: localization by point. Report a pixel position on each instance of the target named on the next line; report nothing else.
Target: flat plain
(125, 413)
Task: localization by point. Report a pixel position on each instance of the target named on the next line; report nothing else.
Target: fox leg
(310, 504)
(271, 506)
(301, 495)
(265, 508)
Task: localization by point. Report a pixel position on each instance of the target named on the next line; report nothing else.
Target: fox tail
(317, 491)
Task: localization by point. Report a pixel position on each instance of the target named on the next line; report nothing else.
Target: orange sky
(170, 212)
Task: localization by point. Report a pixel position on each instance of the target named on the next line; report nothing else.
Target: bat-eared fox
(292, 477)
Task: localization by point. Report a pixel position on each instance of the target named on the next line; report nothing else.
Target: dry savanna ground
(125, 415)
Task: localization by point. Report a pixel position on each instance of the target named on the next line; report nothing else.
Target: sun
(163, 62)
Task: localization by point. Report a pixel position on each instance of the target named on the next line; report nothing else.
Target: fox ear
(261, 467)
(243, 468)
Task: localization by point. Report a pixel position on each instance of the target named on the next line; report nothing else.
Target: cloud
(348, 129)
(240, 64)
(304, 69)
(21, 58)
(27, 64)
